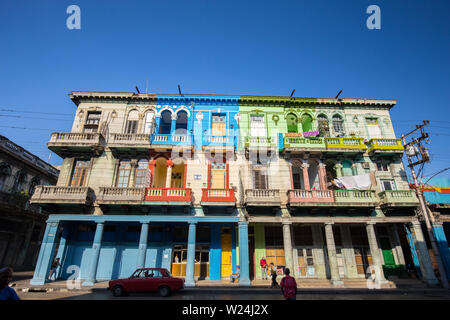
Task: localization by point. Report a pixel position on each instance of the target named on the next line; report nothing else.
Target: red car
(147, 280)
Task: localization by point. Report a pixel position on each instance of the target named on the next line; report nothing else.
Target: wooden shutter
(218, 178)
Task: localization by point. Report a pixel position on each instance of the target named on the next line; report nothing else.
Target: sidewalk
(21, 283)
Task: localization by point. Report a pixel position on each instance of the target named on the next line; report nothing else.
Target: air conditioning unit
(366, 165)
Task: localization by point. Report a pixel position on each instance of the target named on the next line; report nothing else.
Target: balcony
(218, 197)
(262, 197)
(300, 143)
(310, 198)
(355, 198)
(399, 198)
(122, 144)
(167, 196)
(218, 141)
(120, 196)
(259, 142)
(385, 146)
(63, 195)
(171, 139)
(345, 144)
(67, 144)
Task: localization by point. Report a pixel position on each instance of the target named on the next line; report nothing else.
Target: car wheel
(117, 291)
(164, 291)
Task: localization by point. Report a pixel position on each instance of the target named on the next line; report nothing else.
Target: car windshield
(168, 273)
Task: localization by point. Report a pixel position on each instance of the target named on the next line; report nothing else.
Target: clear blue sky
(228, 47)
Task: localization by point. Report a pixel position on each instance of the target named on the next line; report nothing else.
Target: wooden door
(218, 178)
(387, 251)
(226, 253)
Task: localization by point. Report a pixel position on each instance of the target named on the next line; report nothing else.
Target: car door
(135, 282)
(153, 280)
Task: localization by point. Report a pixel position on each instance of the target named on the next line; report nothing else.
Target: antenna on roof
(146, 85)
(137, 89)
(179, 90)
(338, 94)
(292, 93)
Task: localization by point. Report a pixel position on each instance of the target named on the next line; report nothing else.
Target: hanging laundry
(359, 182)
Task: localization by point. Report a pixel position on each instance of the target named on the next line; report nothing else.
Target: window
(388, 184)
(260, 177)
(257, 126)
(324, 127)
(142, 174)
(132, 122)
(313, 174)
(181, 123)
(382, 166)
(123, 175)
(5, 172)
(307, 123)
(92, 121)
(148, 124)
(165, 122)
(292, 122)
(373, 128)
(338, 125)
(34, 182)
(79, 174)
(297, 177)
(218, 126)
(347, 168)
(218, 174)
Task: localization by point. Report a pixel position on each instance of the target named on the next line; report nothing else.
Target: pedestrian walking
(54, 266)
(263, 264)
(6, 292)
(273, 274)
(288, 286)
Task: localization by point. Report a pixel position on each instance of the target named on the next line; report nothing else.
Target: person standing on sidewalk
(289, 286)
(54, 266)
(6, 292)
(263, 264)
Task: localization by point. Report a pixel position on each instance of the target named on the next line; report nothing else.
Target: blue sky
(224, 47)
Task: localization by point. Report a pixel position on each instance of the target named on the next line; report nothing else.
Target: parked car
(147, 280)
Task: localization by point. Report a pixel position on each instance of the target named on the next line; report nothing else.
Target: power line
(2, 115)
(39, 112)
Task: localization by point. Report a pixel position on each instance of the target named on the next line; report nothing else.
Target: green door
(387, 252)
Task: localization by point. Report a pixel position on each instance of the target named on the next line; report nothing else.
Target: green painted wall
(260, 247)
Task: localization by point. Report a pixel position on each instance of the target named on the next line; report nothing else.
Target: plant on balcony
(19, 198)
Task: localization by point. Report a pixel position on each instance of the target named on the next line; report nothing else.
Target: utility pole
(415, 148)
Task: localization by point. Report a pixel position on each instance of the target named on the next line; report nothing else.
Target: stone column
(96, 246)
(305, 167)
(173, 124)
(134, 165)
(169, 173)
(338, 169)
(46, 254)
(348, 252)
(142, 245)
(375, 252)
(244, 277)
(355, 169)
(426, 266)
(287, 241)
(331, 248)
(319, 258)
(190, 259)
(322, 176)
(397, 245)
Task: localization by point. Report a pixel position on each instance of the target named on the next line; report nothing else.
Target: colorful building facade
(202, 184)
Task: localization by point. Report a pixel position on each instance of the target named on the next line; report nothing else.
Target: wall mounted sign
(311, 134)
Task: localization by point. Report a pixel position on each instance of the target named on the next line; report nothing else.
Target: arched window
(330, 170)
(132, 122)
(177, 179)
(5, 172)
(34, 182)
(142, 177)
(338, 125)
(307, 123)
(313, 174)
(292, 122)
(148, 122)
(20, 181)
(324, 127)
(181, 124)
(165, 122)
(347, 168)
(123, 176)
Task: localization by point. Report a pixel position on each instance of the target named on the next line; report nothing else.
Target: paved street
(199, 294)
